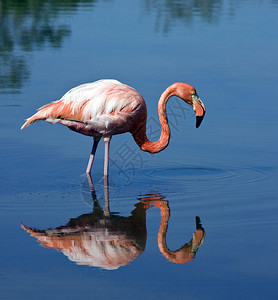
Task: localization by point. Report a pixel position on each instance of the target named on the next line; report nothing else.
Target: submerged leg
(92, 156)
(91, 186)
(106, 196)
(106, 155)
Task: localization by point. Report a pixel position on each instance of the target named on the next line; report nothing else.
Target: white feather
(93, 94)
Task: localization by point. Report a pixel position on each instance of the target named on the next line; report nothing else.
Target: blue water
(223, 174)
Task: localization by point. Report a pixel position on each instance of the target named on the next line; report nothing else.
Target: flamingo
(108, 107)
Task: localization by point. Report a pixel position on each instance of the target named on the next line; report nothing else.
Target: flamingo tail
(31, 120)
(43, 113)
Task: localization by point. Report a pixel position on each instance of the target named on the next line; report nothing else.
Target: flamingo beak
(199, 119)
(199, 108)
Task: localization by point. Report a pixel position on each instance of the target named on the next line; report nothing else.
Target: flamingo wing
(96, 103)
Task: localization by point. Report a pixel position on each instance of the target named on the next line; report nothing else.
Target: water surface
(198, 220)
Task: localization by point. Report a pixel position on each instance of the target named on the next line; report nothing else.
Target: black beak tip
(199, 120)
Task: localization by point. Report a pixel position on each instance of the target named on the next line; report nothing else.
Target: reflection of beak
(200, 110)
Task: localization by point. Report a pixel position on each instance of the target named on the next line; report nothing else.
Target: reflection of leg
(92, 155)
(93, 192)
(91, 186)
(106, 155)
(106, 196)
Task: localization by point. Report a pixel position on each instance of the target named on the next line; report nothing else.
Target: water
(217, 181)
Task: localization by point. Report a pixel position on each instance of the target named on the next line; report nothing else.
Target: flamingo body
(99, 109)
(108, 107)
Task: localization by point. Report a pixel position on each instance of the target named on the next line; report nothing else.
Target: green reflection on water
(30, 25)
(26, 26)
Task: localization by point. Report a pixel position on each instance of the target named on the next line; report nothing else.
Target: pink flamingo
(108, 107)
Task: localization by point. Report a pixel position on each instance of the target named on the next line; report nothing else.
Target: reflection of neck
(187, 251)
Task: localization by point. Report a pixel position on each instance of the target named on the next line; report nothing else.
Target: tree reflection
(168, 12)
(28, 25)
(107, 240)
(25, 26)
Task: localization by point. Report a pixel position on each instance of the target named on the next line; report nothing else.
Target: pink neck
(140, 136)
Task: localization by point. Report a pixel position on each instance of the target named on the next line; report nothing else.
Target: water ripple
(229, 174)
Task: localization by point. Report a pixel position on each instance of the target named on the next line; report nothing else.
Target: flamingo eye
(195, 96)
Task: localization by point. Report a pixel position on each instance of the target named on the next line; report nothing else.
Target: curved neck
(140, 136)
(180, 256)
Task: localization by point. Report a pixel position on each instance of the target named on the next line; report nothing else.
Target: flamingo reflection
(108, 241)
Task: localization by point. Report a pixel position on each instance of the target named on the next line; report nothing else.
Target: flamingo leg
(106, 155)
(92, 155)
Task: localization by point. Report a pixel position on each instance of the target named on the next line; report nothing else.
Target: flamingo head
(188, 93)
(199, 108)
